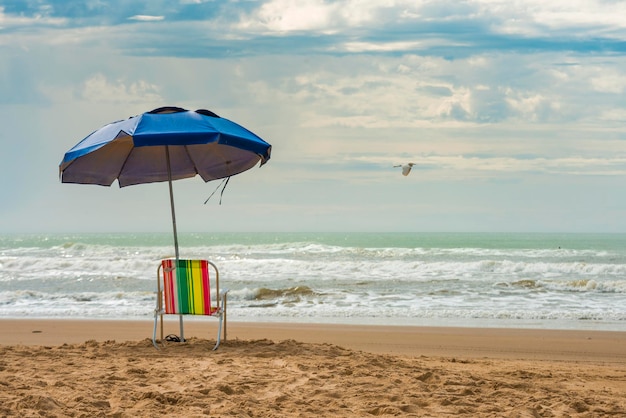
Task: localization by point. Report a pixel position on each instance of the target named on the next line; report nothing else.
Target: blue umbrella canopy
(135, 150)
(165, 144)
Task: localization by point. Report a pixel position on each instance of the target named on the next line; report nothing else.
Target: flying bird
(406, 169)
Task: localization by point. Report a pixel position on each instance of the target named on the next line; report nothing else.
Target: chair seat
(187, 287)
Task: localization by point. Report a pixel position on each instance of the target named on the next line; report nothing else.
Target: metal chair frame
(219, 312)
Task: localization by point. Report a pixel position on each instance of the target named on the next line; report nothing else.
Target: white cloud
(380, 46)
(526, 104)
(99, 89)
(147, 18)
(614, 115)
(292, 15)
(576, 13)
(402, 80)
(565, 165)
(609, 82)
(522, 17)
(324, 16)
(538, 17)
(8, 21)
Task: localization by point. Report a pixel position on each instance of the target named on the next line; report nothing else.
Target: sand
(59, 368)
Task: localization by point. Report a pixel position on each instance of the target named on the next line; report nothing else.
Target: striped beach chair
(184, 288)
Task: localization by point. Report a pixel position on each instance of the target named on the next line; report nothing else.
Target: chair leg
(224, 306)
(154, 331)
(219, 333)
(224, 295)
(182, 329)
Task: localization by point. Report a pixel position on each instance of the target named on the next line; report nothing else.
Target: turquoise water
(573, 281)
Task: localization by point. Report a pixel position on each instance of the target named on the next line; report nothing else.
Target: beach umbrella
(165, 144)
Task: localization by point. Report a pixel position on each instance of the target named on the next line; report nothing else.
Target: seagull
(406, 169)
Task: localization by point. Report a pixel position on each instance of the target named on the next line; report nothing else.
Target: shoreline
(465, 342)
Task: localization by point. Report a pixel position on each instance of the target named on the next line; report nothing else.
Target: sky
(514, 112)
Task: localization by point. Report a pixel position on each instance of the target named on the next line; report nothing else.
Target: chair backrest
(186, 287)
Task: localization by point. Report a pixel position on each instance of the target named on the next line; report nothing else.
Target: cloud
(282, 16)
(609, 81)
(40, 18)
(476, 92)
(147, 18)
(447, 28)
(460, 167)
(99, 89)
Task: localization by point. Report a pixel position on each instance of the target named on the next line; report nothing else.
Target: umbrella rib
(195, 167)
(124, 164)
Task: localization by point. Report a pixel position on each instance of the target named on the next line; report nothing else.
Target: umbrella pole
(169, 181)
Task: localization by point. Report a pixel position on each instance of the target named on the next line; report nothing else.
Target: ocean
(506, 280)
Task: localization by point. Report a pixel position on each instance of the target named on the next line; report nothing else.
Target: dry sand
(58, 368)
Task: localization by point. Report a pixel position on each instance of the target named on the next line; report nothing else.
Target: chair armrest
(223, 294)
